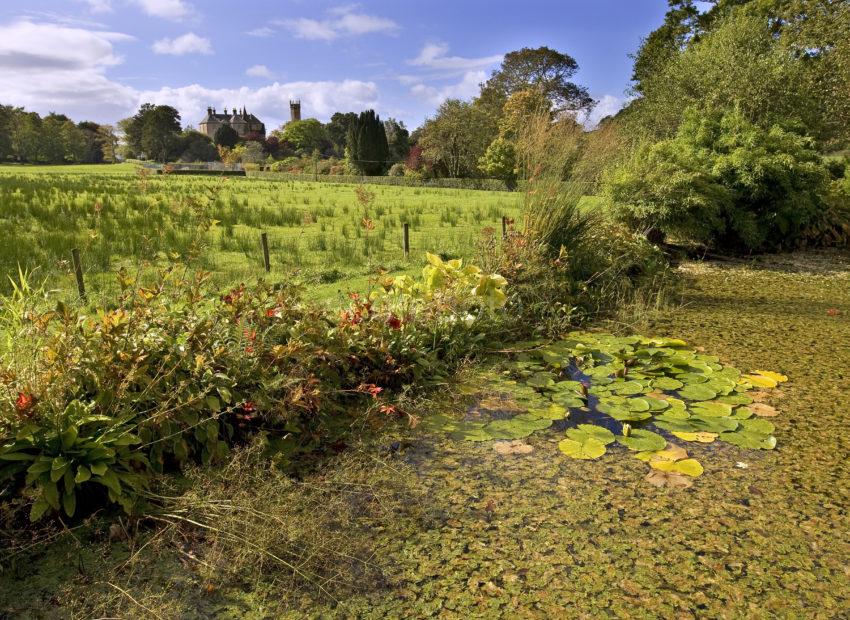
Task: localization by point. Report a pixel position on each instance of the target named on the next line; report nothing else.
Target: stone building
(242, 122)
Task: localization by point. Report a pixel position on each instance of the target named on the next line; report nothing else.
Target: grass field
(330, 236)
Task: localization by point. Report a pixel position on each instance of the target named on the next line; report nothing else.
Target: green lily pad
(540, 380)
(585, 431)
(697, 392)
(588, 449)
(749, 439)
(628, 388)
(642, 440)
(472, 434)
(568, 401)
(552, 412)
(735, 399)
(623, 413)
(713, 425)
(517, 427)
(712, 408)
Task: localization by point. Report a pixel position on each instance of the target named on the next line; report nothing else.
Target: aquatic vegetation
(633, 391)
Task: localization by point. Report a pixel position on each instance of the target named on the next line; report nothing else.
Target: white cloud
(265, 31)
(342, 21)
(607, 105)
(167, 9)
(465, 89)
(189, 43)
(434, 56)
(48, 66)
(259, 71)
(271, 102)
(99, 6)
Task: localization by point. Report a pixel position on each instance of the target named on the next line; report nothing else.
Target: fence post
(78, 272)
(406, 240)
(504, 227)
(264, 241)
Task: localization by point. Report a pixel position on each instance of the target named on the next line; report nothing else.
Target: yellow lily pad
(668, 479)
(779, 378)
(760, 381)
(700, 436)
(688, 467)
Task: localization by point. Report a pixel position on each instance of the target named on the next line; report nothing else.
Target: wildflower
(24, 402)
(249, 406)
(388, 409)
(370, 388)
(394, 322)
(273, 313)
(833, 312)
(250, 334)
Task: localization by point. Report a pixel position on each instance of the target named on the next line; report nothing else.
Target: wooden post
(264, 241)
(78, 272)
(406, 240)
(504, 227)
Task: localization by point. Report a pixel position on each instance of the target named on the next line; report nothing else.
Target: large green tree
(337, 130)
(544, 68)
(367, 146)
(457, 137)
(161, 133)
(306, 135)
(398, 139)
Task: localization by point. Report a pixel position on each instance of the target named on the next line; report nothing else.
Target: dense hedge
(494, 185)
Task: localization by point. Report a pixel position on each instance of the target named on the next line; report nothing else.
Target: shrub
(725, 182)
(396, 170)
(95, 403)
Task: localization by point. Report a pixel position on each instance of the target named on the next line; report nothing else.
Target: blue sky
(100, 59)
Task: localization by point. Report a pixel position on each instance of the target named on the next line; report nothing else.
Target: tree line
(26, 137)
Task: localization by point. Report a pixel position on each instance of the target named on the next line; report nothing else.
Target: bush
(725, 182)
(95, 403)
(397, 170)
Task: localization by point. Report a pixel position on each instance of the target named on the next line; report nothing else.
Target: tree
(724, 181)
(337, 130)
(499, 161)
(7, 118)
(226, 136)
(367, 144)
(519, 108)
(195, 146)
(543, 68)
(109, 143)
(666, 42)
(161, 133)
(398, 139)
(253, 153)
(306, 135)
(456, 138)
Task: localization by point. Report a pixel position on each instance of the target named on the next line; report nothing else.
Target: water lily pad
(779, 378)
(758, 426)
(596, 432)
(713, 425)
(735, 399)
(540, 380)
(623, 413)
(667, 383)
(762, 410)
(759, 381)
(471, 434)
(590, 448)
(628, 388)
(668, 478)
(518, 427)
(642, 440)
(687, 467)
(712, 408)
(512, 447)
(692, 378)
(750, 440)
(700, 436)
(552, 412)
(671, 452)
(568, 400)
(697, 392)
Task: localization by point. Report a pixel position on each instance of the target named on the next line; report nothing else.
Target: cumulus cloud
(47, 66)
(465, 89)
(435, 56)
(271, 102)
(607, 105)
(264, 31)
(341, 21)
(167, 9)
(259, 71)
(189, 43)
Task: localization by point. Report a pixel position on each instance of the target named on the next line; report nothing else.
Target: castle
(242, 122)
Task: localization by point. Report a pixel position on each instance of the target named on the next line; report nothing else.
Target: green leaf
(213, 403)
(599, 433)
(69, 503)
(17, 456)
(98, 469)
(68, 437)
(642, 440)
(697, 392)
(83, 474)
(110, 481)
(38, 509)
(50, 493)
(590, 448)
(552, 412)
(667, 383)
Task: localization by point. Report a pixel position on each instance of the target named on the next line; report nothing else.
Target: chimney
(225, 110)
(295, 110)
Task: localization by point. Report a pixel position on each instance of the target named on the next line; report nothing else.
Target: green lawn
(319, 233)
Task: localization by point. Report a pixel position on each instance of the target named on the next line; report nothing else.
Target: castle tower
(295, 110)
